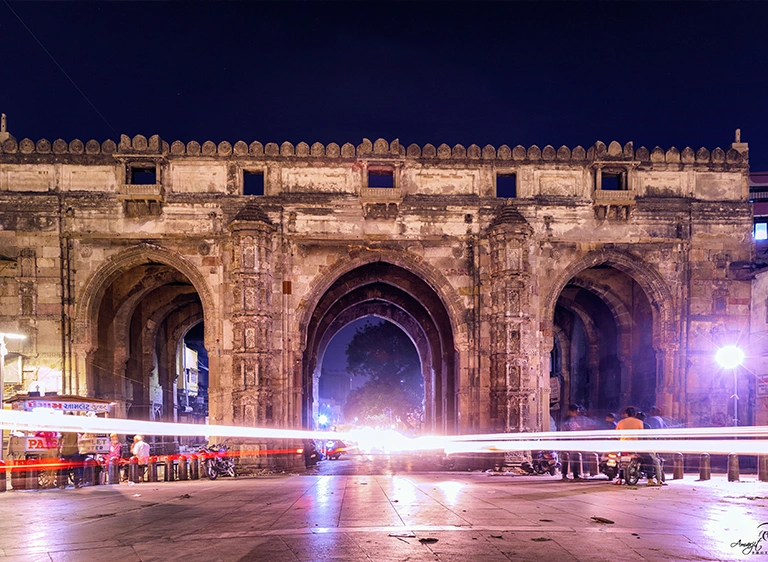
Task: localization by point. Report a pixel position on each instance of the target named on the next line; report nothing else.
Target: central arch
(399, 295)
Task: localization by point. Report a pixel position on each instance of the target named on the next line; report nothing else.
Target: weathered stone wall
(72, 221)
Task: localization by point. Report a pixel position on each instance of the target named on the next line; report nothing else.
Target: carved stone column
(513, 390)
(252, 317)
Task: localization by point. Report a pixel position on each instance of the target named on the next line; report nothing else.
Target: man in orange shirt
(630, 421)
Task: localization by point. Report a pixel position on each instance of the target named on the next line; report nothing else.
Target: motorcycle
(542, 462)
(642, 464)
(610, 464)
(216, 462)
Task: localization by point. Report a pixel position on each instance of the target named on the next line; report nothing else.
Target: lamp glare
(729, 357)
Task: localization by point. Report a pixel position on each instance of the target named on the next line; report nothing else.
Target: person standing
(574, 422)
(73, 460)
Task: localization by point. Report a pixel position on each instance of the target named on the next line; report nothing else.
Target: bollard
(194, 467)
(89, 472)
(594, 464)
(62, 475)
(705, 470)
(733, 467)
(18, 472)
(183, 470)
(113, 472)
(169, 468)
(762, 468)
(577, 458)
(32, 482)
(133, 470)
(2, 476)
(152, 469)
(677, 467)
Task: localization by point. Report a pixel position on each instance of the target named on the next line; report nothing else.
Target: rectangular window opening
(142, 175)
(253, 182)
(612, 182)
(761, 231)
(381, 178)
(506, 185)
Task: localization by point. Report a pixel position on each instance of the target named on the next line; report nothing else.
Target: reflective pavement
(356, 510)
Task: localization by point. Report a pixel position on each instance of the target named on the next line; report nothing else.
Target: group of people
(631, 419)
(74, 448)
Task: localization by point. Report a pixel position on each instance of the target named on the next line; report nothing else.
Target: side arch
(653, 284)
(86, 308)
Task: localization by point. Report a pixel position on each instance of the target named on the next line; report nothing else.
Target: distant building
(758, 194)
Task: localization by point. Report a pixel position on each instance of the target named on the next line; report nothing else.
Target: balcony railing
(614, 196)
(152, 191)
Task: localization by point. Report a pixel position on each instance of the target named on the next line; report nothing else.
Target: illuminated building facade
(526, 277)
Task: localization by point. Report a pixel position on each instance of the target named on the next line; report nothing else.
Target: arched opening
(603, 355)
(397, 295)
(371, 375)
(149, 350)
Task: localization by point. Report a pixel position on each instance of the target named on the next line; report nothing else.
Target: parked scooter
(542, 462)
(610, 464)
(216, 461)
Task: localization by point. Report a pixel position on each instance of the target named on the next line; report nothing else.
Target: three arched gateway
(503, 266)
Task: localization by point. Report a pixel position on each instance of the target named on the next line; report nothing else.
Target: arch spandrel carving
(653, 284)
(89, 299)
(439, 284)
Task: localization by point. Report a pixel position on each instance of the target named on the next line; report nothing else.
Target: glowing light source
(729, 357)
(322, 419)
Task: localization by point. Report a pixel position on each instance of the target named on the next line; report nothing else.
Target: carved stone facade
(604, 275)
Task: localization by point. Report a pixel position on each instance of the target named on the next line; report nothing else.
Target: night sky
(656, 73)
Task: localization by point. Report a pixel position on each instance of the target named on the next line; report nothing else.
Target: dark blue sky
(656, 73)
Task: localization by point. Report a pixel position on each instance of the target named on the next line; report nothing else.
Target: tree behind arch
(387, 358)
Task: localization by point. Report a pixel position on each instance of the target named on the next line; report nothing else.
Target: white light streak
(723, 440)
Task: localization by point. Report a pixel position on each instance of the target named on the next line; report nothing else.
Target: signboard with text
(66, 406)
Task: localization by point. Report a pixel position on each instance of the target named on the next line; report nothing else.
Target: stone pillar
(252, 319)
(515, 394)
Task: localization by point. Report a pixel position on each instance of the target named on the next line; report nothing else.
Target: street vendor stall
(40, 452)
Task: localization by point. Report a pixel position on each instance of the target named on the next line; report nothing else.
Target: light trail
(741, 440)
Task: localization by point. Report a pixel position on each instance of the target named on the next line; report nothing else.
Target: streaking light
(729, 357)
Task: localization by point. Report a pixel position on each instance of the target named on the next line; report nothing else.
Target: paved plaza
(435, 516)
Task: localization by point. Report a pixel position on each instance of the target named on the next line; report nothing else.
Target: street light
(3, 351)
(730, 357)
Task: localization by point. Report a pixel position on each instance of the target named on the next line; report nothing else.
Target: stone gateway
(527, 278)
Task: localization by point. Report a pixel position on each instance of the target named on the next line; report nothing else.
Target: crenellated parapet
(380, 148)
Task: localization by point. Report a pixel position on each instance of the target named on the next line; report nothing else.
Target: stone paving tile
(108, 554)
(256, 519)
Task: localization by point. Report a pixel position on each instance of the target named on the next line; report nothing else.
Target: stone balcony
(142, 192)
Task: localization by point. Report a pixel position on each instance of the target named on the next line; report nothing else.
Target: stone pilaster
(512, 388)
(251, 318)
